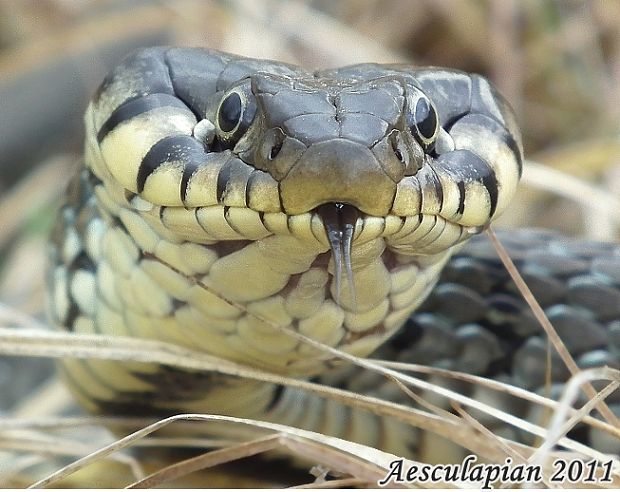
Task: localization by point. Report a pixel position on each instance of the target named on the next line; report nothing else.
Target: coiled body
(223, 198)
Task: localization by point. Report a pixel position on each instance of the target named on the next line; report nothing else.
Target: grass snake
(224, 197)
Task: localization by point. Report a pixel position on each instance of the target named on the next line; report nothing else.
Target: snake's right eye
(422, 120)
(230, 112)
(234, 115)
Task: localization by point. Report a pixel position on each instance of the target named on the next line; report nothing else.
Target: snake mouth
(342, 223)
(339, 221)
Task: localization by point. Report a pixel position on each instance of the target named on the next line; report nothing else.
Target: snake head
(270, 168)
(418, 152)
(327, 140)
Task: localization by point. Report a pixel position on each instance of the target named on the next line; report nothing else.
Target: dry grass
(557, 62)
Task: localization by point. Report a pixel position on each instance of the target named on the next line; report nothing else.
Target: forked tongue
(339, 221)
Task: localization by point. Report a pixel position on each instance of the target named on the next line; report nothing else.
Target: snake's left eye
(422, 121)
(235, 114)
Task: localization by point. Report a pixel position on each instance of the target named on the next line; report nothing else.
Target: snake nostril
(395, 140)
(275, 150)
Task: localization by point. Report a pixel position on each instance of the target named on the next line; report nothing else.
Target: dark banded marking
(183, 149)
(489, 180)
(254, 175)
(134, 107)
(466, 166)
(499, 131)
(188, 171)
(461, 208)
(232, 174)
(275, 398)
(222, 180)
(438, 187)
(83, 262)
(512, 144)
(147, 69)
(73, 313)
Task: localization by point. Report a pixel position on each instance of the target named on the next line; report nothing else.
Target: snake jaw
(339, 221)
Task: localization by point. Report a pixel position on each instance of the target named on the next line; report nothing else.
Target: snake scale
(225, 197)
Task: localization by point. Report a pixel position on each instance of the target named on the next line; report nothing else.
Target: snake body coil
(224, 198)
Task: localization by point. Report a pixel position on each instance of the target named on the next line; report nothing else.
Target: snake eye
(423, 122)
(235, 115)
(230, 112)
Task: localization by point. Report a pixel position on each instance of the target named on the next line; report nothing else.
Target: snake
(226, 201)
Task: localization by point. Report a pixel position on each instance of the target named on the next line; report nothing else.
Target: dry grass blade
(54, 344)
(184, 442)
(580, 158)
(375, 463)
(451, 395)
(558, 426)
(510, 451)
(49, 399)
(44, 444)
(12, 316)
(501, 387)
(13, 423)
(549, 329)
(17, 465)
(47, 446)
(368, 467)
(542, 456)
(600, 208)
(562, 184)
(207, 460)
(423, 403)
(45, 343)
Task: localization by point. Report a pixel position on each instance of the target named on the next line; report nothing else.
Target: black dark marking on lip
(146, 65)
(223, 178)
(184, 149)
(461, 207)
(72, 315)
(135, 107)
(248, 189)
(489, 181)
(466, 166)
(438, 187)
(499, 131)
(188, 171)
(512, 145)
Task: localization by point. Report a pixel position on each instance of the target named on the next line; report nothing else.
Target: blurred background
(557, 62)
